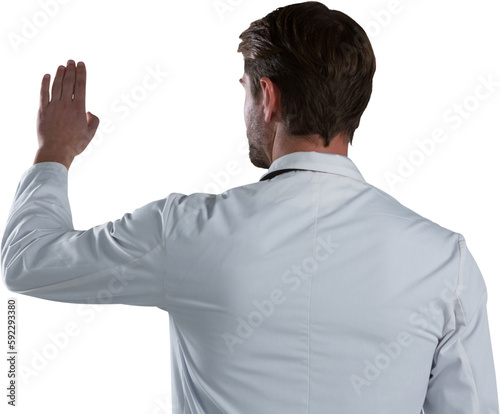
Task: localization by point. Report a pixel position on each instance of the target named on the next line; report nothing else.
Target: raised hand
(64, 128)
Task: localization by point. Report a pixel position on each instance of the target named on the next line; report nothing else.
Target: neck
(283, 145)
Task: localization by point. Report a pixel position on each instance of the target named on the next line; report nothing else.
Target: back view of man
(310, 291)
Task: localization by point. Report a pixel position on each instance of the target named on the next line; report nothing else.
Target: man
(310, 291)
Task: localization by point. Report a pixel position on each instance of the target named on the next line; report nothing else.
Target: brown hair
(322, 62)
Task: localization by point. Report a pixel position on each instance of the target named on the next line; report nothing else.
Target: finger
(57, 84)
(44, 91)
(68, 84)
(81, 81)
(93, 123)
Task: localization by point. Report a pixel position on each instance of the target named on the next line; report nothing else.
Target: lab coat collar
(314, 161)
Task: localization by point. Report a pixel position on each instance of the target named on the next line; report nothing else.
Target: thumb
(93, 122)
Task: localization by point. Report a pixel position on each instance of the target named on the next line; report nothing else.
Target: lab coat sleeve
(42, 255)
(462, 378)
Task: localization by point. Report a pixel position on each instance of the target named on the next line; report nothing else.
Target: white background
(183, 132)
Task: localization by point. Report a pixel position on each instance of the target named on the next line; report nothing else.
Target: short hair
(322, 62)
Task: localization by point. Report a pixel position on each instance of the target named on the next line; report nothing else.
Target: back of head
(322, 62)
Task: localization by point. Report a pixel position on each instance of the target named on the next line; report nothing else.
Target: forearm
(40, 214)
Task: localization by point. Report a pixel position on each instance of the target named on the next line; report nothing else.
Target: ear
(271, 99)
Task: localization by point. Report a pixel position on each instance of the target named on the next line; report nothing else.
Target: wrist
(53, 155)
